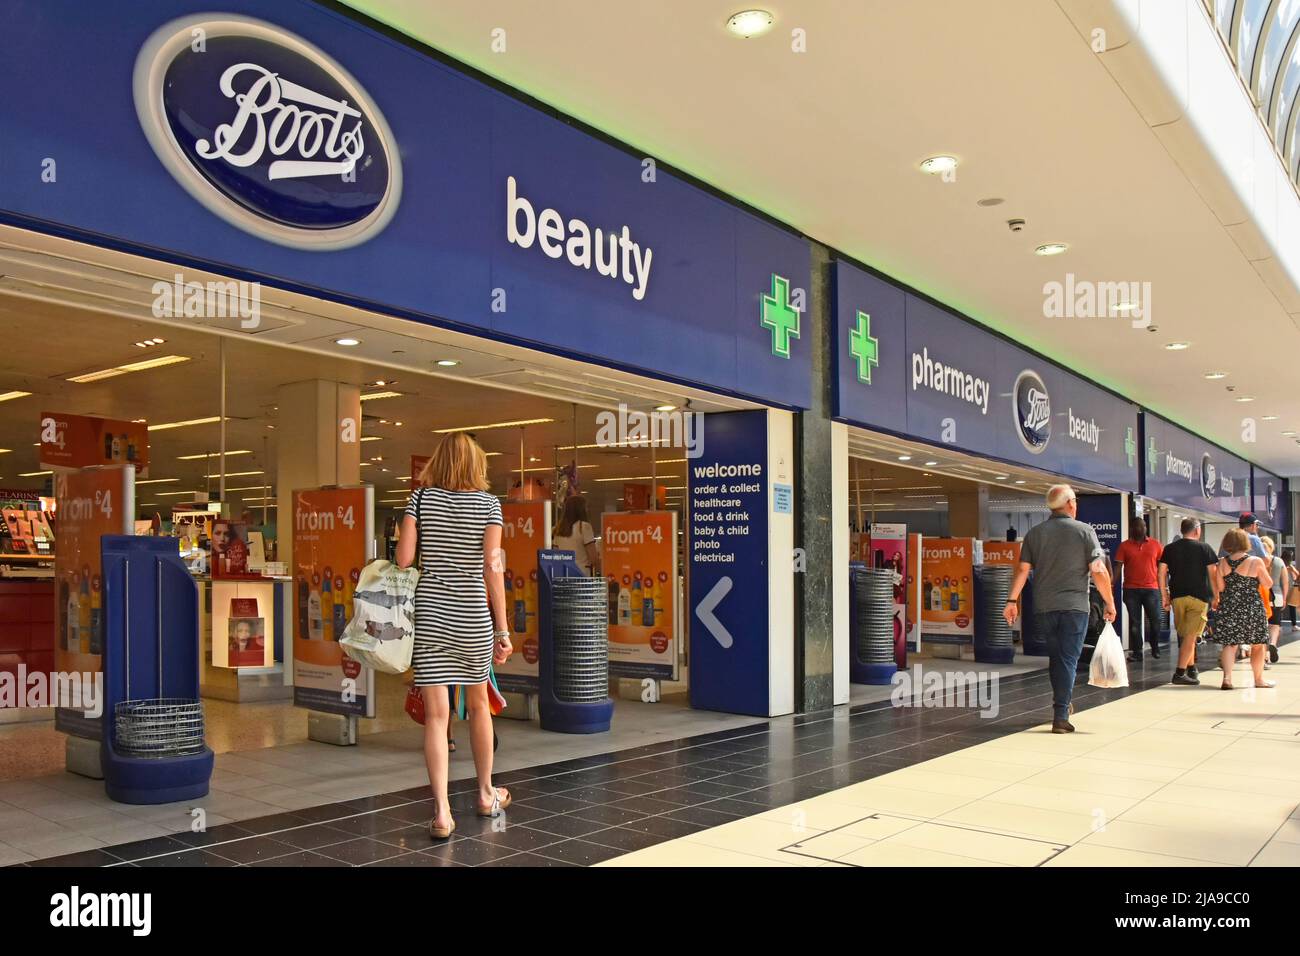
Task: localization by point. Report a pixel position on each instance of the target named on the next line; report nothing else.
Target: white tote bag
(381, 633)
(1108, 667)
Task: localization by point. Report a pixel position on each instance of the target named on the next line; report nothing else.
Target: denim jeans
(1063, 632)
(1138, 601)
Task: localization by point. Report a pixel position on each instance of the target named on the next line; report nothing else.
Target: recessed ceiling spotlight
(1215, 376)
(931, 464)
(991, 201)
(1269, 418)
(347, 342)
(1020, 481)
(904, 457)
(1051, 249)
(750, 23)
(1177, 346)
(1245, 398)
(665, 408)
(1000, 477)
(938, 165)
(1289, 434)
(448, 363)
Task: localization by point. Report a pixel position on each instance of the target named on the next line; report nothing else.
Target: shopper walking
(1062, 552)
(460, 610)
(1189, 584)
(573, 532)
(1277, 597)
(1138, 556)
(1242, 621)
(1249, 525)
(1293, 593)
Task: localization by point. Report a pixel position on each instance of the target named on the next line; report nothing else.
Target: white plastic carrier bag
(1108, 667)
(381, 633)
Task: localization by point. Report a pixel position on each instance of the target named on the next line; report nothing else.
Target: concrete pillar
(316, 419)
(968, 513)
(318, 442)
(819, 590)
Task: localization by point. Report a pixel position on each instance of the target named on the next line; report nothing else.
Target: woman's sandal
(499, 803)
(441, 833)
(1266, 685)
(451, 745)
(1226, 686)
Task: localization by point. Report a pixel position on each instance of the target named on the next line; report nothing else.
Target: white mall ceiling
(828, 140)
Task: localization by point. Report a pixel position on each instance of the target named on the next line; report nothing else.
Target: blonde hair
(1269, 545)
(1058, 496)
(457, 464)
(1235, 540)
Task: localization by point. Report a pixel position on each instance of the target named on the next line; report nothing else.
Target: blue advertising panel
(1106, 515)
(1271, 500)
(1185, 469)
(303, 149)
(728, 557)
(908, 366)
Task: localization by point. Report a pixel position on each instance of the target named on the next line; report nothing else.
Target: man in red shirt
(1139, 556)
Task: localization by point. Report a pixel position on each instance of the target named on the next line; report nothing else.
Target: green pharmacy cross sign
(1153, 455)
(1130, 446)
(780, 316)
(864, 347)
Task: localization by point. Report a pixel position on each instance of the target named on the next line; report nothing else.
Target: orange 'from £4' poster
(948, 587)
(331, 528)
(526, 528)
(91, 503)
(639, 558)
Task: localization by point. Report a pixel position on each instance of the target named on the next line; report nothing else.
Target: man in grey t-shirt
(1062, 552)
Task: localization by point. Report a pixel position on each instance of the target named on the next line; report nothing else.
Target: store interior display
(222, 512)
(26, 536)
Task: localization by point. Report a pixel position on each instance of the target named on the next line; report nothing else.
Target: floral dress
(1241, 618)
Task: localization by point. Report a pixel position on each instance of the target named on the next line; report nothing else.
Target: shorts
(1190, 616)
(1275, 616)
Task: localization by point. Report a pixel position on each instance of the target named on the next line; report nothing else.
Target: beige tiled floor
(1172, 776)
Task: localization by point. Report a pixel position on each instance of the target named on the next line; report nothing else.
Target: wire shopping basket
(159, 727)
(156, 726)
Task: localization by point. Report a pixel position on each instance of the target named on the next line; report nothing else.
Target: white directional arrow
(704, 611)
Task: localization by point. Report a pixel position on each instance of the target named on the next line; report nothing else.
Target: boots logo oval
(1033, 410)
(1209, 476)
(267, 131)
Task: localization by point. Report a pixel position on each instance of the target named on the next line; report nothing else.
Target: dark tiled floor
(581, 812)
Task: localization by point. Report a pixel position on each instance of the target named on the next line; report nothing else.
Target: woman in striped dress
(460, 610)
